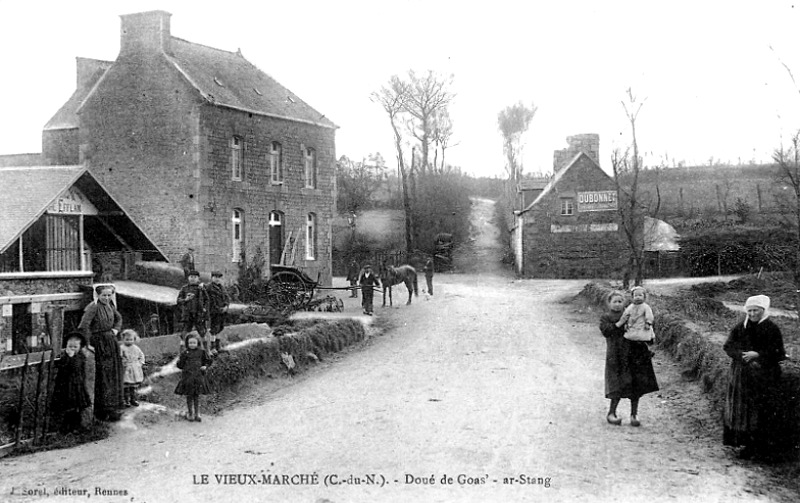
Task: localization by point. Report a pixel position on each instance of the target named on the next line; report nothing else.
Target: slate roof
(228, 79)
(554, 181)
(26, 193)
(67, 116)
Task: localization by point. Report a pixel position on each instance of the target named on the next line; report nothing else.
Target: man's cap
(194, 273)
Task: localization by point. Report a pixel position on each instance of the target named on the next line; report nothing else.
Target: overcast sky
(713, 86)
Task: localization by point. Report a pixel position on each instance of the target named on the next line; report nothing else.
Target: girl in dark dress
(100, 324)
(193, 363)
(755, 346)
(629, 370)
(70, 395)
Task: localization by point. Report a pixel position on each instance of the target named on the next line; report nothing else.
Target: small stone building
(572, 227)
(203, 150)
(60, 231)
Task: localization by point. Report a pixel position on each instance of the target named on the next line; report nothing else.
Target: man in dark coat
(219, 300)
(352, 277)
(368, 281)
(193, 307)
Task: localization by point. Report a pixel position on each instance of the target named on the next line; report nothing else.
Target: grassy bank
(691, 328)
(290, 349)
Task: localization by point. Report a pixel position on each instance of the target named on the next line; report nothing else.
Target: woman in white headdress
(755, 346)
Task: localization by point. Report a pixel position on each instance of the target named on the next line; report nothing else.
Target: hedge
(704, 360)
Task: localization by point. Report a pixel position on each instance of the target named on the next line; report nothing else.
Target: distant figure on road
(352, 277)
(187, 262)
(629, 369)
(755, 346)
(428, 270)
(368, 281)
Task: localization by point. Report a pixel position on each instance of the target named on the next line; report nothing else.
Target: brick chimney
(588, 143)
(145, 33)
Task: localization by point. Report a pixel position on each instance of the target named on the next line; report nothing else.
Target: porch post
(80, 240)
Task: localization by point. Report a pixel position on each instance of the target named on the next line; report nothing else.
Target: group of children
(70, 394)
(197, 304)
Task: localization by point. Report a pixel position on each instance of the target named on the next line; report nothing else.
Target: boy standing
(193, 307)
(428, 270)
(219, 300)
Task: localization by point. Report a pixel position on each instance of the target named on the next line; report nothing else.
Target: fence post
(47, 394)
(21, 402)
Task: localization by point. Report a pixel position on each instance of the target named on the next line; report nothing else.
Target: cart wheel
(286, 290)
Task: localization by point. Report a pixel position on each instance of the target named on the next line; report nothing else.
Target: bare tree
(442, 134)
(428, 97)
(634, 203)
(357, 181)
(393, 97)
(513, 122)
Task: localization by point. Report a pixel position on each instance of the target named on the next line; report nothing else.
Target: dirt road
(490, 391)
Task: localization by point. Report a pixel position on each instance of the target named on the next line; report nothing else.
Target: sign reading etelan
(603, 200)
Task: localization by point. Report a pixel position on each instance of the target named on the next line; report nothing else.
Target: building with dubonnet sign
(572, 228)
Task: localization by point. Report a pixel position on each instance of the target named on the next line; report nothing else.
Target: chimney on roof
(145, 33)
(587, 143)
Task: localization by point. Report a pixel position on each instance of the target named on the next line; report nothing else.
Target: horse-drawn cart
(291, 289)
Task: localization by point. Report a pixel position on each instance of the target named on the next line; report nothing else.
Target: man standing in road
(368, 281)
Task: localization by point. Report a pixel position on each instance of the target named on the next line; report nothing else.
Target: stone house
(203, 149)
(58, 221)
(571, 228)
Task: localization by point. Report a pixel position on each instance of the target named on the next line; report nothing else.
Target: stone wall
(587, 247)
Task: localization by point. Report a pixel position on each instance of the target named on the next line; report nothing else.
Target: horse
(391, 276)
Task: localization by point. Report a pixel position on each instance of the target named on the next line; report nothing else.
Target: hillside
(703, 190)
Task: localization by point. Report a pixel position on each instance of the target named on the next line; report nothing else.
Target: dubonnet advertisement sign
(603, 200)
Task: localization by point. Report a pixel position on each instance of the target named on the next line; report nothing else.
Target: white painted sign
(8, 310)
(609, 227)
(72, 202)
(603, 200)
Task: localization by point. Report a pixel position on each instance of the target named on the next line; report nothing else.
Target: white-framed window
(276, 163)
(311, 237)
(310, 156)
(237, 234)
(236, 158)
(567, 206)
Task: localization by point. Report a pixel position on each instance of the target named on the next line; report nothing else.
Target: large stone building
(202, 149)
(572, 227)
